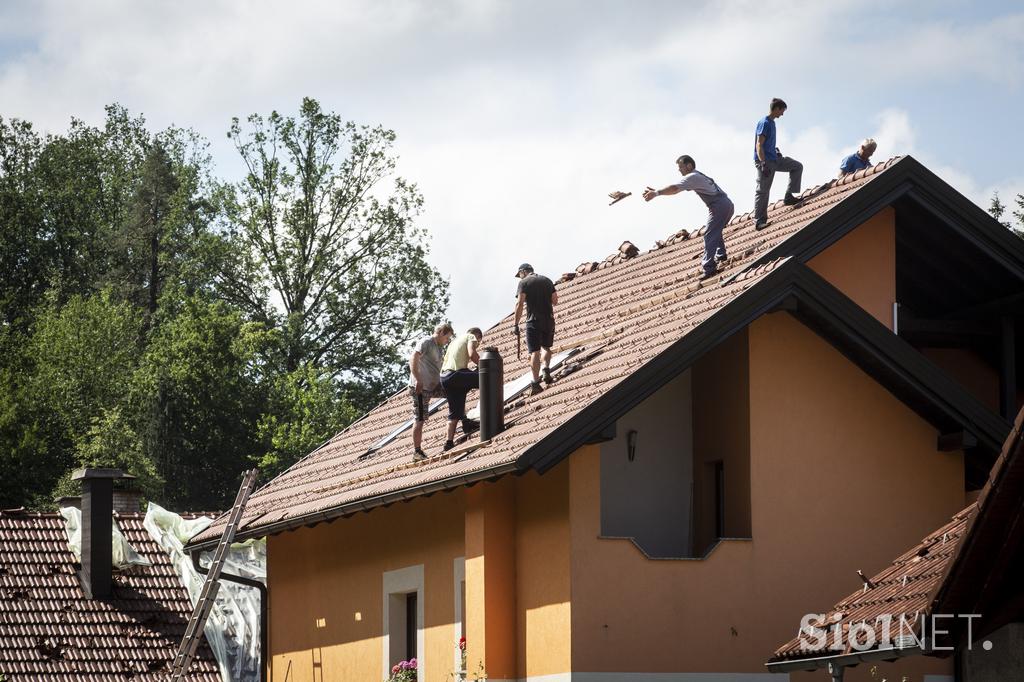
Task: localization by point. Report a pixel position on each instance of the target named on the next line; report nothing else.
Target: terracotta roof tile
(623, 311)
(905, 587)
(49, 630)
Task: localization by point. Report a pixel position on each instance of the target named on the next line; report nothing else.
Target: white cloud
(516, 119)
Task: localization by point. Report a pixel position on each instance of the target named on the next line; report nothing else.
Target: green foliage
(24, 252)
(198, 399)
(158, 320)
(111, 441)
(306, 409)
(30, 466)
(997, 209)
(84, 354)
(82, 357)
(325, 252)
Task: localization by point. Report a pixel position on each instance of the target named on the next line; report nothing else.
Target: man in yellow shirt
(458, 380)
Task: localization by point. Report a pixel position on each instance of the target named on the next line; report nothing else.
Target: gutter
(836, 664)
(264, 607)
(368, 504)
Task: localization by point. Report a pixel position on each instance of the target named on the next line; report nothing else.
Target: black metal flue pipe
(492, 394)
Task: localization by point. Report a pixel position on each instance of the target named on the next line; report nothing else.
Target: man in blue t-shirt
(768, 160)
(859, 160)
(720, 210)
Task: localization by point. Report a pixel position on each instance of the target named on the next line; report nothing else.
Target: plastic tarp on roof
(233, 626)
(123, 555)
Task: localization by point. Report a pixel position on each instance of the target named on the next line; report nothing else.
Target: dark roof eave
(365, 504)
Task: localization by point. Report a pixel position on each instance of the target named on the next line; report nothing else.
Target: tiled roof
(50, 631)
(954, 560)
(903, 590)
(622, 312)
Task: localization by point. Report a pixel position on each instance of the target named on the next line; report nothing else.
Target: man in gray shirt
(425, 379)
(720, 210)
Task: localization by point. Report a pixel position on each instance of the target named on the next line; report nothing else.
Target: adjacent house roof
(50, 631)
(637, 321)
(964, 567)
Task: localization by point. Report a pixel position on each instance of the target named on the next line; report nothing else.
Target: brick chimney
(127, 497)
(97, 509)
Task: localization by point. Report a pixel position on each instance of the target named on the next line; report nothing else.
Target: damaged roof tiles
(50, 630)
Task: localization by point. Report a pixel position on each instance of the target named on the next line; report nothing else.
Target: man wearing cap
(458, 380)
(860, 159)
(769, 160)
(720, 210)
(539, 295)
(425, 380)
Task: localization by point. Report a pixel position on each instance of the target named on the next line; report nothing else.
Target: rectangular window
(403, 618)
(410, 626)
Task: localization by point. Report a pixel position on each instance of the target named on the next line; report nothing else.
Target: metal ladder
(190, 642)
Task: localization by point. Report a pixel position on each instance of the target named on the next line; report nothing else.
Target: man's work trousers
(456, 385)
(783, 164)
(719, 213)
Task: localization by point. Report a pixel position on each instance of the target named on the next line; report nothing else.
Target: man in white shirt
(720, 210)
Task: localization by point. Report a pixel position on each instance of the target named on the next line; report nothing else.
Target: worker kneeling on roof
(425, 380)
(720, 210)
(860, 159)
(458, 379)
(539, 295)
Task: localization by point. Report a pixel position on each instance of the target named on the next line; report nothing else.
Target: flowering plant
(403, 671)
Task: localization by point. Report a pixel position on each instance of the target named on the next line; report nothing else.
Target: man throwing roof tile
(540, 297)
(720, 210)
(860, 159)
(425, 380)
(769, 160)
(458, 380)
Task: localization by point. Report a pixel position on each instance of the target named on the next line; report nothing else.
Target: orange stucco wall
(514, 535)
(331, 572)
(843, 476)
(863, 265)
(490, 577)
(543, 573)
(846, 477)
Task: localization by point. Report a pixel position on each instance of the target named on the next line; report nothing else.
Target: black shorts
(539, 335)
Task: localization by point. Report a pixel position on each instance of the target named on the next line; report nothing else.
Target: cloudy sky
(516, 118)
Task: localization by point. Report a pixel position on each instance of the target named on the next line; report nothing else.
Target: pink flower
(395, 669)
(412, 664)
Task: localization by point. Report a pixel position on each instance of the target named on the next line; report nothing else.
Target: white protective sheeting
(233, 629)
(121, 552)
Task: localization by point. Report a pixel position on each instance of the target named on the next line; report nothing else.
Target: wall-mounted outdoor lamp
(631, 445)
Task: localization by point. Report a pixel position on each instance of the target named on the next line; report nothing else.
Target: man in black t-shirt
(540, 297)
